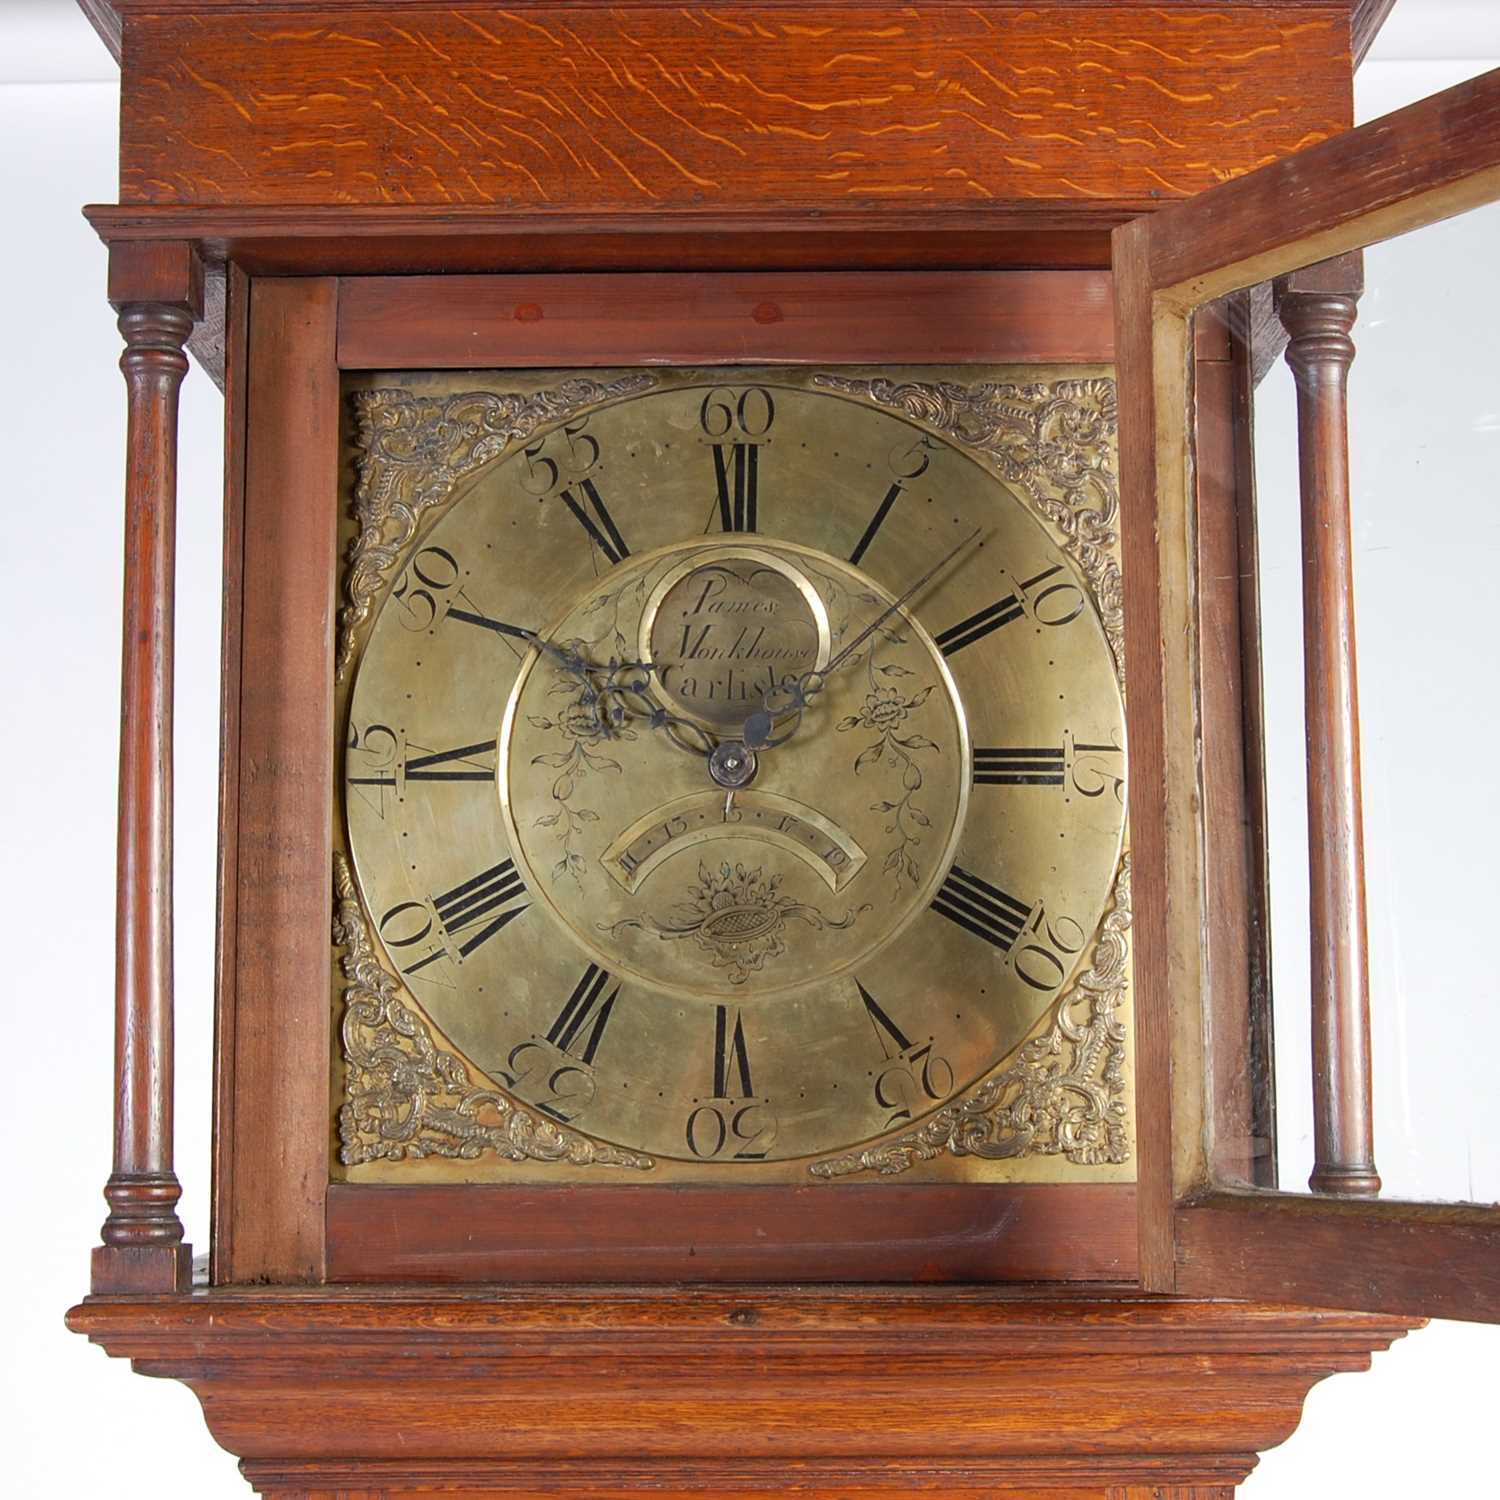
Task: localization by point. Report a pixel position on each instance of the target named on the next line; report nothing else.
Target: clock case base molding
(963, 1393)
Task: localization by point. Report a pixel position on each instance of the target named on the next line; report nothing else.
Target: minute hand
(911, 589)
(757, 731)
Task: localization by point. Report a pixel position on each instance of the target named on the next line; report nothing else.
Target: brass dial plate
(736, 986)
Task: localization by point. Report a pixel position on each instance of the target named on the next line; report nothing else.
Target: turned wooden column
(1318, 308)
(157, 290)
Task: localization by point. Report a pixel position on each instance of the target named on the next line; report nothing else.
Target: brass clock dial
(679, 829)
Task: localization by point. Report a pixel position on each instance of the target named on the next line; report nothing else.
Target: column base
(141, 1268)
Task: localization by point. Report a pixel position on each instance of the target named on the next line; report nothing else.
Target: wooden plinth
(853, 1393)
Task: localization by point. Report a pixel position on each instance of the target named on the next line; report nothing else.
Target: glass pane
(1424, 396)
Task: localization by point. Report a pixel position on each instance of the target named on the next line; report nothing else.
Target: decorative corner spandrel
(412, 450)
(1063, 1094)
(406, 1097)
(1053, 439)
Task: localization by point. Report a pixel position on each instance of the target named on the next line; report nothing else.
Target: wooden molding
(1430, 161)
(966, 1232)
(914, 317)
(1434, 1259)
(273, 1014)
(748, 1391)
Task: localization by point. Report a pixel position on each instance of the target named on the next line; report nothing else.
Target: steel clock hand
(793, 694)
(621, 694)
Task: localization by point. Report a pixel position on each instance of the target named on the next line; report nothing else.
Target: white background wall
(75, 1423)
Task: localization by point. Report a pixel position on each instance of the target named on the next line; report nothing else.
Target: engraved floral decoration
(1063, 1093)
(583, 723)
(885, 712)
(407, 1098)
(737, 917)
(1054, 440)
(412, 450)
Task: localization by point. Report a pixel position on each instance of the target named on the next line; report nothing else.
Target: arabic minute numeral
(563, 1061)
(425, 589)
(374, 756)
(1047, 950)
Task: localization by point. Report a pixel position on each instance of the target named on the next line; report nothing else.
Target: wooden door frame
(1434, 160)
(277, 1218)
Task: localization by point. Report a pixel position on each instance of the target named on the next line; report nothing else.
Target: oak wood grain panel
(226, 929)
(1172, 1492)
(463, 322)
(210, 333)
(572, 108)
(877, 1232)
(1427, 1260)
(278, 1162)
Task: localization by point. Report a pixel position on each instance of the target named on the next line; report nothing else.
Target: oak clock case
(732, 771)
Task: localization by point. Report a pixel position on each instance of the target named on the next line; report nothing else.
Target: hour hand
(619, 691)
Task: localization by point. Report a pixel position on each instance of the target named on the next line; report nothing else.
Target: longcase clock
(741, 924)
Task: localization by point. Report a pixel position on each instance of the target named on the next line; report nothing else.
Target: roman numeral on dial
(450, 765)
(994, 766)
(585, 1015)
(580, 499)
(453, 925)
(886, 1030)
(862, 546)
(906, 464)
(1054, 605)
(735, 423)
(732, 1123)
(980, 624)
(737, 475)
(981, 908)
(473, 912)
(1087, 770)
(731, 1057)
